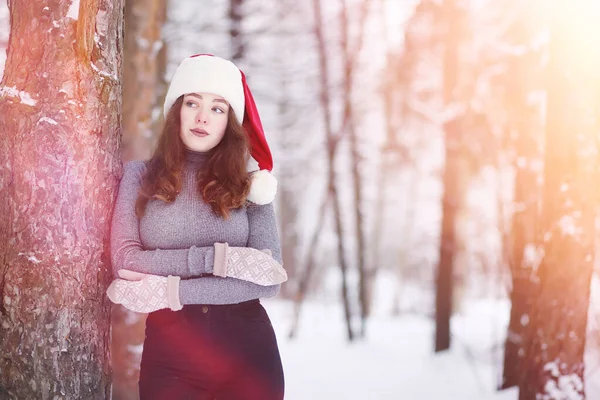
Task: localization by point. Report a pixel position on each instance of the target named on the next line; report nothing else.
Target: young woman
(195, 243)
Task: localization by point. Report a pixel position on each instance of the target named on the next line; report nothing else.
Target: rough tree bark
(555, 366)
(60, 107)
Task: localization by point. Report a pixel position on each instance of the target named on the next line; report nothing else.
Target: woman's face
(203, 121)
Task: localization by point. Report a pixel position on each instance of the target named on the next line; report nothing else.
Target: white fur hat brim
(210, 75)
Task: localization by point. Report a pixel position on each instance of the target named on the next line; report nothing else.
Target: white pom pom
(263, 187)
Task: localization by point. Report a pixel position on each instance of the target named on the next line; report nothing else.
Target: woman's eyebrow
(214, 100)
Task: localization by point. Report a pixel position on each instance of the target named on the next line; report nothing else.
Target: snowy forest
(437, 207)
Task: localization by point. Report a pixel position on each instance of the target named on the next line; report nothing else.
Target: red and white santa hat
(211, 74)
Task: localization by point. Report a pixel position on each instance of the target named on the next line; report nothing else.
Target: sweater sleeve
(215, 290)
(263, 230)
(126, 248)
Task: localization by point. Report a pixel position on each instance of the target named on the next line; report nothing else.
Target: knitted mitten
(248, 264)
(148, 294)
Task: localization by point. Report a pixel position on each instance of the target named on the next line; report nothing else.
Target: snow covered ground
(397, 361)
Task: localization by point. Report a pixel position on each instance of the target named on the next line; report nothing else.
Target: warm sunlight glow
(576, 25)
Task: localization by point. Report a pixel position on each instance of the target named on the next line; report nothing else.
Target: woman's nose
(201, 117)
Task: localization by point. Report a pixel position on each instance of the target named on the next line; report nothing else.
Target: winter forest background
(437, 164)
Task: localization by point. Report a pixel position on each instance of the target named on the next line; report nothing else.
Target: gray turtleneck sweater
(178, 238)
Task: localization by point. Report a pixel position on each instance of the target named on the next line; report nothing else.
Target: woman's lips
(199, 132)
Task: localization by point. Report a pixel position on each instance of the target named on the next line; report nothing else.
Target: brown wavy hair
(223, 182)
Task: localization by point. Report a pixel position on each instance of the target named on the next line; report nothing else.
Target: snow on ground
(397, 360)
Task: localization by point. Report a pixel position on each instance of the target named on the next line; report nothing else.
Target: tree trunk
(522, 116)
(559, 317)
(308, 271)
(288, 210)
(331, 149)
(349, 61)
(385, 156)
(235, 30)
(143, 92)
(142, 77)
(128, 334)
(60, 108)
(451, 195)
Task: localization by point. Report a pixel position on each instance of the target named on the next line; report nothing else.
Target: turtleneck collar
(195, 158)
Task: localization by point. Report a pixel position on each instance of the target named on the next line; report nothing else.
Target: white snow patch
(142, 43)
(12, 91)
(531, 255)
(73, 12)
(31, 257)
(48, 120)
(567, 225)
(552, 367)
(156, 46)
(564, 387)
(104, 74)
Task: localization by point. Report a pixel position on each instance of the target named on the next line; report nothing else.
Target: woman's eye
(190, 103)
(218, 110)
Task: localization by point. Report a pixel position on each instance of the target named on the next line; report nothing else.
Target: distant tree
(236, 17)
(291, 134)
(60, 109)
(144, 62)
(452, 194)
(332, 141)
(524, 140)
(350, 49)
